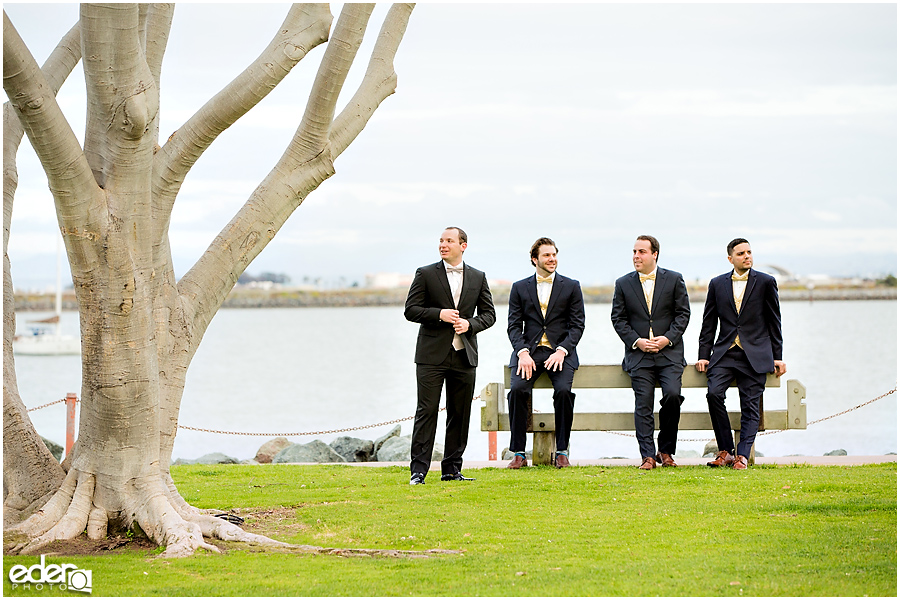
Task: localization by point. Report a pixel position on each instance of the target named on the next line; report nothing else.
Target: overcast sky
(588, 123)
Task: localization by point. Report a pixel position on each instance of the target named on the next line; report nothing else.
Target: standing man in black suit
(452, 303)
(744, 305)
(650, 312)
(546, 321)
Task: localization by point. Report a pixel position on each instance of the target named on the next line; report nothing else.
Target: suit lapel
(468, 284)
(661, 278)
(730, 287)
(532, 293)
(639, 290)
(445, 283)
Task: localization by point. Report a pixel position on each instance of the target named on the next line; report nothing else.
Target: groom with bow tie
(743, 305)
(650, 312)
(546, 321)
(452, 303)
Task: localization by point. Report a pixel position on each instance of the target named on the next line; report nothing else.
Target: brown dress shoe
(517, 462)
(740, 462)
(562, 461)
(665, 460)
(723, 459)
(648, 464)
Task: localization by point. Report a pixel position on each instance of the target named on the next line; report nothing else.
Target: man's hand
(555, 362)
(526, 365)
(461, 326)
(780, 368)
(701, 365)
(645, 345)
(449, 315)
(661, 342)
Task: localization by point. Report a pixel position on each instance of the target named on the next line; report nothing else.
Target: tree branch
(156, 21)
(305, 27)
(56, 146)
(306, 163)
(312, 136)
(379, 82)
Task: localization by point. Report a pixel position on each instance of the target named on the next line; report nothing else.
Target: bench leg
(543, 447)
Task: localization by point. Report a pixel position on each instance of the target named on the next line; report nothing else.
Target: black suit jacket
(429, 293)
(670, 315)
(564, 323)
(759, 323)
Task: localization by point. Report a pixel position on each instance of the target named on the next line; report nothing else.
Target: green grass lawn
(598, 531)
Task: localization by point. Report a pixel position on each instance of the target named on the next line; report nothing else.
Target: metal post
(492, 445)
(71, 399)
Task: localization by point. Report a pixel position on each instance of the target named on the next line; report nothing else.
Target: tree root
(158, 509)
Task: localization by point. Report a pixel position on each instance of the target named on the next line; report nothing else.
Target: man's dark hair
(735, 242)
(536, 246)
(654, 244)
(463, 238)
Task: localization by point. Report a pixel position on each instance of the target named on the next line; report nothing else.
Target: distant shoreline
(293, 298)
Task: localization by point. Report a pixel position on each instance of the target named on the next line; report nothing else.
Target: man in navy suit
(546, 321)
(744, 305)
(650, 312)
(452, 303)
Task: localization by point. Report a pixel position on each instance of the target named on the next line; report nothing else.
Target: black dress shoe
(417, 479)
(456, 477)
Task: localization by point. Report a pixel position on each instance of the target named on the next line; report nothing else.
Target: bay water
(299, 370)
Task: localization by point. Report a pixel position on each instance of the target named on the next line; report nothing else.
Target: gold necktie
(738, 299)
(647, 296)
(544, 341)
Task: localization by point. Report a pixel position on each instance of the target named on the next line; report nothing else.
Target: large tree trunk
(30, 473)
(141, 328)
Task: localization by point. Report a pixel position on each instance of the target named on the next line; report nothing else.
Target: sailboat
(42, 339)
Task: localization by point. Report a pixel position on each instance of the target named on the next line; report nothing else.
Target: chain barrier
(46, 405)
(443, 408)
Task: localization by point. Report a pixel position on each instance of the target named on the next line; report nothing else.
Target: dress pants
(651, 369)
(459, 377)
(751, 385)
(520, 390)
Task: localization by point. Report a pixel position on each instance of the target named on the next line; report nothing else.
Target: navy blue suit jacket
(429, 293)
(759, 323)
(564, 323)
(670, 315)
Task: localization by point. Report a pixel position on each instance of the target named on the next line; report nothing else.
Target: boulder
(316, 451)
(838, 452)
(396, 449)
(55, 449)
(354, 449)
(687, 454)
(215, 458)
(710, 449)
(267, 451)
(250, 461)
(395, 432)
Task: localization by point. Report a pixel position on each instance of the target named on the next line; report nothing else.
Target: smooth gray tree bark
(140, 327)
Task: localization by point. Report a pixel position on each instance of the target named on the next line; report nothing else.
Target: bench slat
(612, 376)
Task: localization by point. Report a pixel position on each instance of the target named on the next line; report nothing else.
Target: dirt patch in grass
(82, 546)
(281, 521)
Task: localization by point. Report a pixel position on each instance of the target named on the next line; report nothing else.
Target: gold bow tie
(544, 279)
(651, 277)
(736, 277)
(458, 269)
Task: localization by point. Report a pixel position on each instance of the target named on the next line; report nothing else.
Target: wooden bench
(495, 418)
